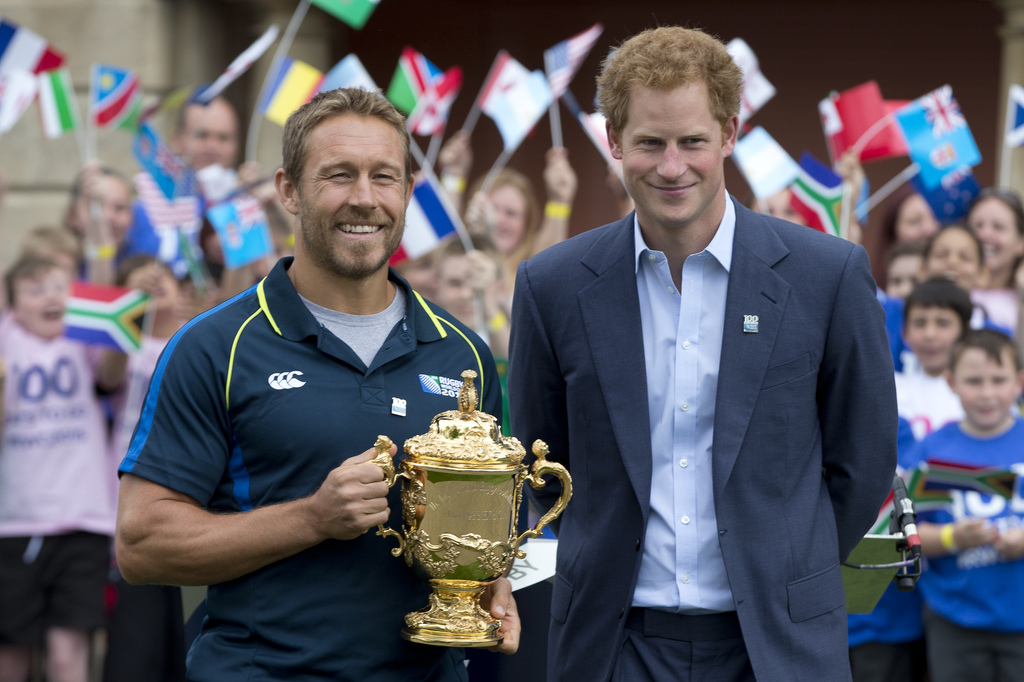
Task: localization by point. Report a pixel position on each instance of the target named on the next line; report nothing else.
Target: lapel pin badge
(398, 407)
(750, 324)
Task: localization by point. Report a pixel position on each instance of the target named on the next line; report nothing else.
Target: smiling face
(987, 389)
(995, 226)
(954, 255)
(352, 198)
(930, 333)
(39, 302)
(673, 152)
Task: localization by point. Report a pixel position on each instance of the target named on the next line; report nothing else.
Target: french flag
(428, 220)
(22, 49)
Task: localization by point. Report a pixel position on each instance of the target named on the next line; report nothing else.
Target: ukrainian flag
(295, 82)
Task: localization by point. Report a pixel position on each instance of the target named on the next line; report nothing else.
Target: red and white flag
(431, 111)
(848, 115)
(514, 98)
(756, 88)
(17, 90)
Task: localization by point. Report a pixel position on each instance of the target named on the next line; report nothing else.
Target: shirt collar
(292, 319)
(720, 246)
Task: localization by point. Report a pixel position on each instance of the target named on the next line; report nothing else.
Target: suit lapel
(754, 289)
(611, 319)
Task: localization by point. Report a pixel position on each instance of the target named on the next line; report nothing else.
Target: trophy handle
(540, 467)
(387, 465)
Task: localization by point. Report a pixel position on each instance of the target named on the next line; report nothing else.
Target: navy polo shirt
(253, 403)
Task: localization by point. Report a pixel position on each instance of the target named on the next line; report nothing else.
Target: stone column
(1012, 72)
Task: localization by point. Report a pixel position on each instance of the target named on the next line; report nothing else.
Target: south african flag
(105, 315)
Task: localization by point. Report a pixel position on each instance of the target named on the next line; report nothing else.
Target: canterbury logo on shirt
(439, 385)
(282, 380)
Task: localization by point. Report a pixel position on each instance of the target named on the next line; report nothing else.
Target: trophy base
(453, 618)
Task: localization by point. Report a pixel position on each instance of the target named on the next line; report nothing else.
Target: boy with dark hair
(936, 313)
(973, 585)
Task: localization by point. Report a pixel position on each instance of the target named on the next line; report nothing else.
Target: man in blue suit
(720, 386)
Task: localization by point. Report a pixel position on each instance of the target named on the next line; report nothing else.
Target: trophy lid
(466, 438)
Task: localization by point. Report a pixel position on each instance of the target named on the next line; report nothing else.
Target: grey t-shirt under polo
(364, 334)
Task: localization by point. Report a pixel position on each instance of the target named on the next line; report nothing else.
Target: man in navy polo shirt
(250, 467)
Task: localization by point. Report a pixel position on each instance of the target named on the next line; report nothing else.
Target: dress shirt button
(686, 520)
(686, 578)
(685, 406)
(670, 289)
(686, 345)
(683, 463)
(651, 257)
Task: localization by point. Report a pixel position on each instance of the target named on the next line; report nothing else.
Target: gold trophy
(460, 506)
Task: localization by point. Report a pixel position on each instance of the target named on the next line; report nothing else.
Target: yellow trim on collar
(479, 364)
(435, 319)
(264, 307)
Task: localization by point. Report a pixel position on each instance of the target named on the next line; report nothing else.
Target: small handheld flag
(294, 83)
(765, 165)
(413, 75)
(25, 50)
(105, 315)
(846, 117)
(115, 98)
(431, 112)
(428, 220)
(242, 226)
(817, 195)
(514, 98)
(937, 135)
(17, 90)
(943, 475)
(951, 200)
(57, 106)
(1015, 117)
(171, 174)
(348, 73)
(355, 13)
(562, 61)
(756, 88)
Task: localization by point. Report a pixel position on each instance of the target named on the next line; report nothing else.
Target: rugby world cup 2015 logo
(439, 385)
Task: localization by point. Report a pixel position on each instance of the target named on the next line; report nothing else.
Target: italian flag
(57, 105)
(353, 12)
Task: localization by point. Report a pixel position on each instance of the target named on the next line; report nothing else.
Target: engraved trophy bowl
(461, 493)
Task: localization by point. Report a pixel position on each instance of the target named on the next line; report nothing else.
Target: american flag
(164, 214)
(563, 60)
(942, 111)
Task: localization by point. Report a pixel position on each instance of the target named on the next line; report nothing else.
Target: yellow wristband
(497, 322)
(453, 184)
(101, 252)
(290, 242)
(557, 209)
(946, 537)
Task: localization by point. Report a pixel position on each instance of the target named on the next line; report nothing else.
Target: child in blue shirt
(973, 587)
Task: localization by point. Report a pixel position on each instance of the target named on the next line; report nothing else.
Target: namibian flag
(115, 98)
(943, 476)
(109, 316)
(817, 195)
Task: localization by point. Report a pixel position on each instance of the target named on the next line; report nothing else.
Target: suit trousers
(658, 647)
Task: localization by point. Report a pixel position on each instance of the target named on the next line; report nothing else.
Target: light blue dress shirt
(682, 569)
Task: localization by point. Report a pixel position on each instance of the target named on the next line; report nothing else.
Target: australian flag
(938, 137)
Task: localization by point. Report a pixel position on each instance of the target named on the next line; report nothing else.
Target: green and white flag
(57, 105)
(352, 12)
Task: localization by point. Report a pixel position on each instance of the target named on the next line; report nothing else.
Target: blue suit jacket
(804, 447)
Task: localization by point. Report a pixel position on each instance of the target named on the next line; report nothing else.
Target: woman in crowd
(997, 219)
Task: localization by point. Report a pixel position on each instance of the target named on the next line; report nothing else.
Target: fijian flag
(105, 315)
(937, 135)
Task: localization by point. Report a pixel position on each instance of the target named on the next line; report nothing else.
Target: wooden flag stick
(890, 187)
(474, 113)
(282, 51)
